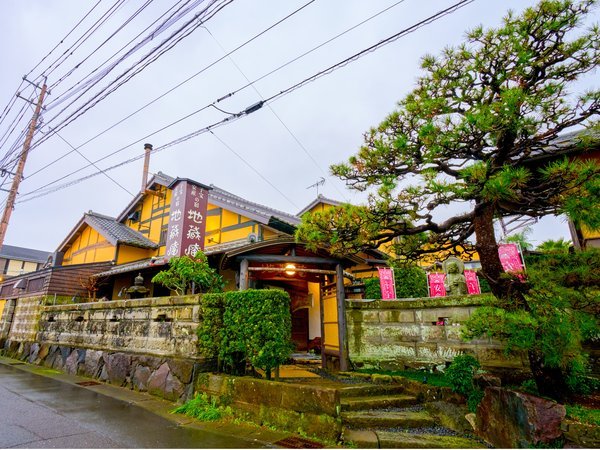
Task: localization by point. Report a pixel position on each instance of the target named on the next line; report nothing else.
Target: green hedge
(411, 282)
(251, 326)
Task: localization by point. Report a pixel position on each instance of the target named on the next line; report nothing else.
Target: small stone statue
(455, 282)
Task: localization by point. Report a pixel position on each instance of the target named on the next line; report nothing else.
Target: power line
(63, 39)
(138, 67)
(253, 168)
(93, 164)
(274, 97)
(179, 85)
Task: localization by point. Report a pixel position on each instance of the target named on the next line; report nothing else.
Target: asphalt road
(39, 412)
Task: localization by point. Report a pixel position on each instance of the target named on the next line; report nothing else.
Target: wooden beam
(283, 258)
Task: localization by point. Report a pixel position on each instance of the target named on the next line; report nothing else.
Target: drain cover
(298, 442)
(88, 383)
(17, 363)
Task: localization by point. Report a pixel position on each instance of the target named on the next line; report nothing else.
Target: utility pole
(12, 195)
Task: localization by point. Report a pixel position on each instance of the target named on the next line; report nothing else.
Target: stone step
(363, 390)
(387, 419)
(377, 401)
(401, 439)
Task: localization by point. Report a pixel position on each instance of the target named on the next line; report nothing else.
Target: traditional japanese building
(251, 245)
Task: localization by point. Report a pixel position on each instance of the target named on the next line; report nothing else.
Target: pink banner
(436, 284)
(472, 282)
(185, 234)
(386, 283)
(510, 258)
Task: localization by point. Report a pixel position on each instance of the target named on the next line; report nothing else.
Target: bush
(460, 375)
(246, 326)
(410, 281)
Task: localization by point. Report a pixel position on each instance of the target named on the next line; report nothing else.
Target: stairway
(385, 416)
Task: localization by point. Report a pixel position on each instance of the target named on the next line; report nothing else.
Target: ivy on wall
(252, 326)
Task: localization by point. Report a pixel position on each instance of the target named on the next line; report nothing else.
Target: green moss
(584, 415)
(434, 379)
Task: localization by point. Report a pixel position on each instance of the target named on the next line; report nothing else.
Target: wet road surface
(38, 412)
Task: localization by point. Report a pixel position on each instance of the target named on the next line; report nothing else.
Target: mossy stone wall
(394, 334)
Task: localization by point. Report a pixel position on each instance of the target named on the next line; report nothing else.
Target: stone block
(400, 333)
(71, 363)
(139, 379)
(118, 366)
(510, 419)
(258, 392)
(158, 379)
(396, 316)
(182, 369)
(308, 399)
(427, 352)
(93, 363)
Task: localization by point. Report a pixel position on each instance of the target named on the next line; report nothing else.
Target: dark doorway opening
(300, 329)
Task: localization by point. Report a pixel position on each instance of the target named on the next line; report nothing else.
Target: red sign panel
(386, 283)
(472, 282)
(187, 220)
(436, 284)
(510, 258)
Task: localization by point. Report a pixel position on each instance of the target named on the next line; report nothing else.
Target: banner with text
(187, 224)
(472, 282)
(436, 284)
(386, 283)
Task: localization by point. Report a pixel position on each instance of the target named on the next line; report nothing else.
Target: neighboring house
(19, 260)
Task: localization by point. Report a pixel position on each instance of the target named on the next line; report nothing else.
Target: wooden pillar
(341, 310)
(244, 275)
(322, 312)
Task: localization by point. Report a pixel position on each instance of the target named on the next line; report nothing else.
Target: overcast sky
(291, 143)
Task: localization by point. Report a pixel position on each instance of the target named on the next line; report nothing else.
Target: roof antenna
(321, 182)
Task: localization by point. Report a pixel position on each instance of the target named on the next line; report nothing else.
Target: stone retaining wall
(165, 377)
(314, 410)
(394, 334)
(164, 326)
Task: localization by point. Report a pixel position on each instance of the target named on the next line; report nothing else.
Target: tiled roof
(315, 202)
(220, 197)
(116, 232)
(23, 254)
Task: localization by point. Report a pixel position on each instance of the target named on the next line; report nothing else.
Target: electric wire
(274, 97)
(130, 52)
(275, 113)
(63, 39)
(105, 92)
(84, 37)
(120, 28)
(240, 157)
(181, 84)
(93, 164)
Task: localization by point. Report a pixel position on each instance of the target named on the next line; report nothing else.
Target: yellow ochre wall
(226, 226)
(154, 217)
(89, 247)
(16, 267)
(127, 254)
(2, 303)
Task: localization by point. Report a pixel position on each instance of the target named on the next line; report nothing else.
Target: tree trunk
(487, 247)
(550, 381)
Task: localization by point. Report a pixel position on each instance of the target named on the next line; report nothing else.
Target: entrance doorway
(300, 329)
